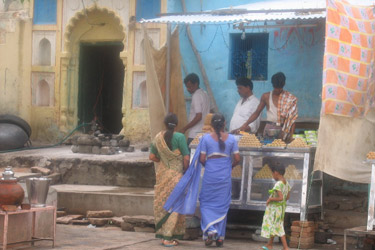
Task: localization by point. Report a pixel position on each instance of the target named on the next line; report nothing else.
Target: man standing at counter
(282, 110)
(200, 106)
(245, 107)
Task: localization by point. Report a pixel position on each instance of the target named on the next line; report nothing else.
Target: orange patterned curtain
(348, 70)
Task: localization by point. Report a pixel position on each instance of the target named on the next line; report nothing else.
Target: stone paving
(112, 238)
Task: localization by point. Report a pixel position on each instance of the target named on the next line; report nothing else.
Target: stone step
(78, 199)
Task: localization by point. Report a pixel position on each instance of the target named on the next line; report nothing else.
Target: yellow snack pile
(298, 143)
(249, 140)
(371, 155)
(264, 173)
(292, 173)
(237, 172)
(195, 141)
(277, 143)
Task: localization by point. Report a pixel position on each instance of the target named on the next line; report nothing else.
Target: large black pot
(12, 119)
(12, 136)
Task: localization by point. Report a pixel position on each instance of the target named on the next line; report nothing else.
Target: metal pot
(11, 193)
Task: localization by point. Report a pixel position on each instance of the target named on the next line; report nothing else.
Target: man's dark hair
(192, 77)
(244, 81)
(278, 80)
(278, 167)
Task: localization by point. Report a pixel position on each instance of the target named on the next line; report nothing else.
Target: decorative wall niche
(42, 89)
(140, 99)
(44, 48)
(139, 57)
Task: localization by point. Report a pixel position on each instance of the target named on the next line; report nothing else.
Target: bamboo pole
(200, 63)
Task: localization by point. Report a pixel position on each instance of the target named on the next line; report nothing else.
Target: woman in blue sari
(215, 196)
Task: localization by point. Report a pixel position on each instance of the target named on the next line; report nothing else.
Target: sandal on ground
(210, 239)
(265, 248)
(219, 243)
(171, 243)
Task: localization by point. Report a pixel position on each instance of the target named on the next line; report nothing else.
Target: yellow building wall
(52, 123)
(15, 57)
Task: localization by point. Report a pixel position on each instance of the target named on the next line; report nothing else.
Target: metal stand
(33, 211)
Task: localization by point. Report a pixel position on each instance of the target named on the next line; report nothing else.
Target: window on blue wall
(147, 9)
(44, 12)
(249, 56)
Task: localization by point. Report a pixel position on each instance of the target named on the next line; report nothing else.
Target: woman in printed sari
(171, 154)
(215, 196)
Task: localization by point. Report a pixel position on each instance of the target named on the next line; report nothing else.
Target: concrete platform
(78, 199)
(125, 169)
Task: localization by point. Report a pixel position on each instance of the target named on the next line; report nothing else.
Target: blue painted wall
(301, 58)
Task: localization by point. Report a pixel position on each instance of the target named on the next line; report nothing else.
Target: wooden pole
(199, 59)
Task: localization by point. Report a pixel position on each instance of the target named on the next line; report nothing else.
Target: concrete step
(78, 199)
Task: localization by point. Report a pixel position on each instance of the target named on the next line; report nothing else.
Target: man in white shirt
(200, 106)
(245, 107)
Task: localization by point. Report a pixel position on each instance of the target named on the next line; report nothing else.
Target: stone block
(302, 234)
(127, 226)
(298, 229)
(129, 149)
(107, 151)
(144, 229)
(144, 149)
(99, 214)
(118, 137)
(106, 143)
(302, 240)
(114, 143)
(124, 143)
(43, 171)
(96, 150)
(303, 223)
(139, 220)
(98, 221)
(331, 205)
(84, 149)
(67, 219)
(85, 140)
(74, 148)
(96, 142)
(116, 221)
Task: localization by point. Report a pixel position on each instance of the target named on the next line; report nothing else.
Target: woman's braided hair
(218, 123)
(170, 122)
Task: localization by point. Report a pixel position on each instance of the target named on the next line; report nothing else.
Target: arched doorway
(93, 70)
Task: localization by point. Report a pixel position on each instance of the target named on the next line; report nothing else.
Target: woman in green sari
(171, 154)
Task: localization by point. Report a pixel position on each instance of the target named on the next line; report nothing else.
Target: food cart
(252, 179)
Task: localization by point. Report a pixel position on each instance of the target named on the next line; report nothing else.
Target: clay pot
(11, 193)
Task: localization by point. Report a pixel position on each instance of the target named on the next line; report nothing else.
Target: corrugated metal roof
(207, 18)
(270, 13)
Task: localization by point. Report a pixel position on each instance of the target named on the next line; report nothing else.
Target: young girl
(273, 220)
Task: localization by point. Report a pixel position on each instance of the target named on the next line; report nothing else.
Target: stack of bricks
(302, 234)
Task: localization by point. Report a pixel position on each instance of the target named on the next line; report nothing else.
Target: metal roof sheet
(208, 18)
(224, 15)
(268, 11)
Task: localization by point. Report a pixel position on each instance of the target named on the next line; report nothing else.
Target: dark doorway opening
(101, 78)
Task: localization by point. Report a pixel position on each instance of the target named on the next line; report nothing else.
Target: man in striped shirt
(282, 110)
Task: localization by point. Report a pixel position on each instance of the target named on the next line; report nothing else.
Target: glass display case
(252, 178)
